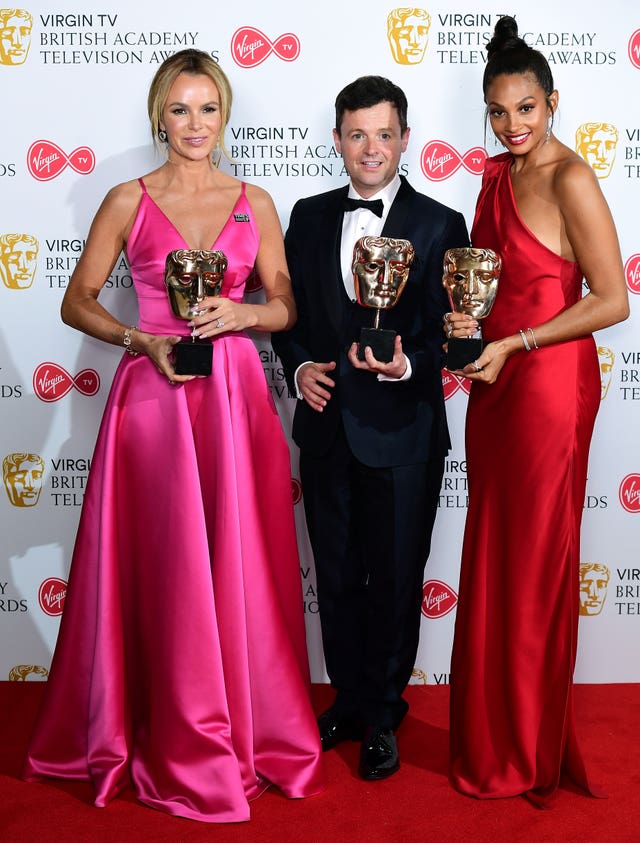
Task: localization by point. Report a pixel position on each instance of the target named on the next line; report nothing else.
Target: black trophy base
(193, 357)
(380, 341)
(463, 350)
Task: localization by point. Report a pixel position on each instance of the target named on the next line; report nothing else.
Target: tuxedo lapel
(399, 215)
(329, 242)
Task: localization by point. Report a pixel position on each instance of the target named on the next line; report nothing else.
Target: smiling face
(519, 111)
(371, 143)
(191, 117)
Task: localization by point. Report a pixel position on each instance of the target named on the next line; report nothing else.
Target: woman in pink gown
(533, 402)
(181, 665)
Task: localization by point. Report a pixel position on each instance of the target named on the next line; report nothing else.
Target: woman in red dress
(533, 402)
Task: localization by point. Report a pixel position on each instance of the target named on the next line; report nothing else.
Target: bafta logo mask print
(15, 35)
(594, 579)
(22, 475)
(606, 358)
(408, 34)
(596, 143)
(18, 260)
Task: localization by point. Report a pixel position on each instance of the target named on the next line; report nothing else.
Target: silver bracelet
(524, 340)
(533, 337)
(126, 341)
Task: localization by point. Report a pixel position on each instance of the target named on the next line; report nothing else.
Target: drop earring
(162, 135)
(547, 134)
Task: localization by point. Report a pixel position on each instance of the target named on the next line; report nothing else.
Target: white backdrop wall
(74, 86)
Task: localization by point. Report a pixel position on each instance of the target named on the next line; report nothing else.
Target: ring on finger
(219, 324)
(476, 366)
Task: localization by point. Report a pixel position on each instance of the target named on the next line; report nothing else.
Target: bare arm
(80, 306)
(592, 239)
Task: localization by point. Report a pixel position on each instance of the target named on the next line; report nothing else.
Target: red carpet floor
(416, 804)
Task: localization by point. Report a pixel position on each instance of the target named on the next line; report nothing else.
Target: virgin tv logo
(250, 47)
(46, 160)
(634, 49)
(451, 383)
(632, 272)
(629, 493)
(51, 382)
(51, 596)
(439, 160)
(438, 599)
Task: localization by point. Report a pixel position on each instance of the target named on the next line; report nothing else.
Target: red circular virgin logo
(250, 47)
(632, 271)
(634, 49)
(296, 490)
(51, 382)
(438, 599)
(439, 160)
(46, 160)
(451, 383)
(629, 493)
(51, 596)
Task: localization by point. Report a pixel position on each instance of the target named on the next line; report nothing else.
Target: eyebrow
(172, 104)
(520, 102)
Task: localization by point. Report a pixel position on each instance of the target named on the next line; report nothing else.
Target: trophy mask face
(471, 280)
(380, 270)
(190, 276)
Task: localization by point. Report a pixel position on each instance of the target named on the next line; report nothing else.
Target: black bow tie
(376, 207)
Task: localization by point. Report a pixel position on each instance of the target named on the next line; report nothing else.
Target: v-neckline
(177, 230)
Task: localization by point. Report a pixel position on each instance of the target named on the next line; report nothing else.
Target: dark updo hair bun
(510, 54)
(505, 36)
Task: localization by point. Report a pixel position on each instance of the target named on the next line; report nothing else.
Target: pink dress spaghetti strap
(181, 664)
(527, 447)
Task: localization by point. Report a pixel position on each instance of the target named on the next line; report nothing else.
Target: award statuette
(191, 275)
(471, 281)
(380, 270)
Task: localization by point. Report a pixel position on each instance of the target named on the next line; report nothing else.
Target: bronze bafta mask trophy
(471, 280)
(191, 275)
(380, 270)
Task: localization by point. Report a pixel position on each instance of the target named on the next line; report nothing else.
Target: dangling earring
(162, 136)
(547, 134)
(216, 154)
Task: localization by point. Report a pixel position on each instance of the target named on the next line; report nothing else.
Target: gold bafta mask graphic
(418, 677)
(606, 358)
(408, 34)
(22, 475)
(15, 35)
(18, 260)
(594, 579)
(596, 143)
(28, 673)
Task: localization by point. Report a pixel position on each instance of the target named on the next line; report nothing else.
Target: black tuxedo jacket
(386, 423)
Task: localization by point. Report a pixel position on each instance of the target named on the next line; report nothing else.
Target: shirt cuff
(405, 377)
(295, 378)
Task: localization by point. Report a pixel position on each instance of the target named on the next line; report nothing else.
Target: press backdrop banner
(74, 81)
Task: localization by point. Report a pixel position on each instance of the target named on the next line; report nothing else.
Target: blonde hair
(195, 63)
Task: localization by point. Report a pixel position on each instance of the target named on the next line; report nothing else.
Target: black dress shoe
(336, 727)
(378, 754)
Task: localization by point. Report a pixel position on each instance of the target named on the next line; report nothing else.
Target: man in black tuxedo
(372, 435)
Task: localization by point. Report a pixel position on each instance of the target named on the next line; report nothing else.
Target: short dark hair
(368, 91)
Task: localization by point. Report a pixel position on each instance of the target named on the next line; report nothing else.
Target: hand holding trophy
(380, 271)
(471, 280)
(190, 276)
